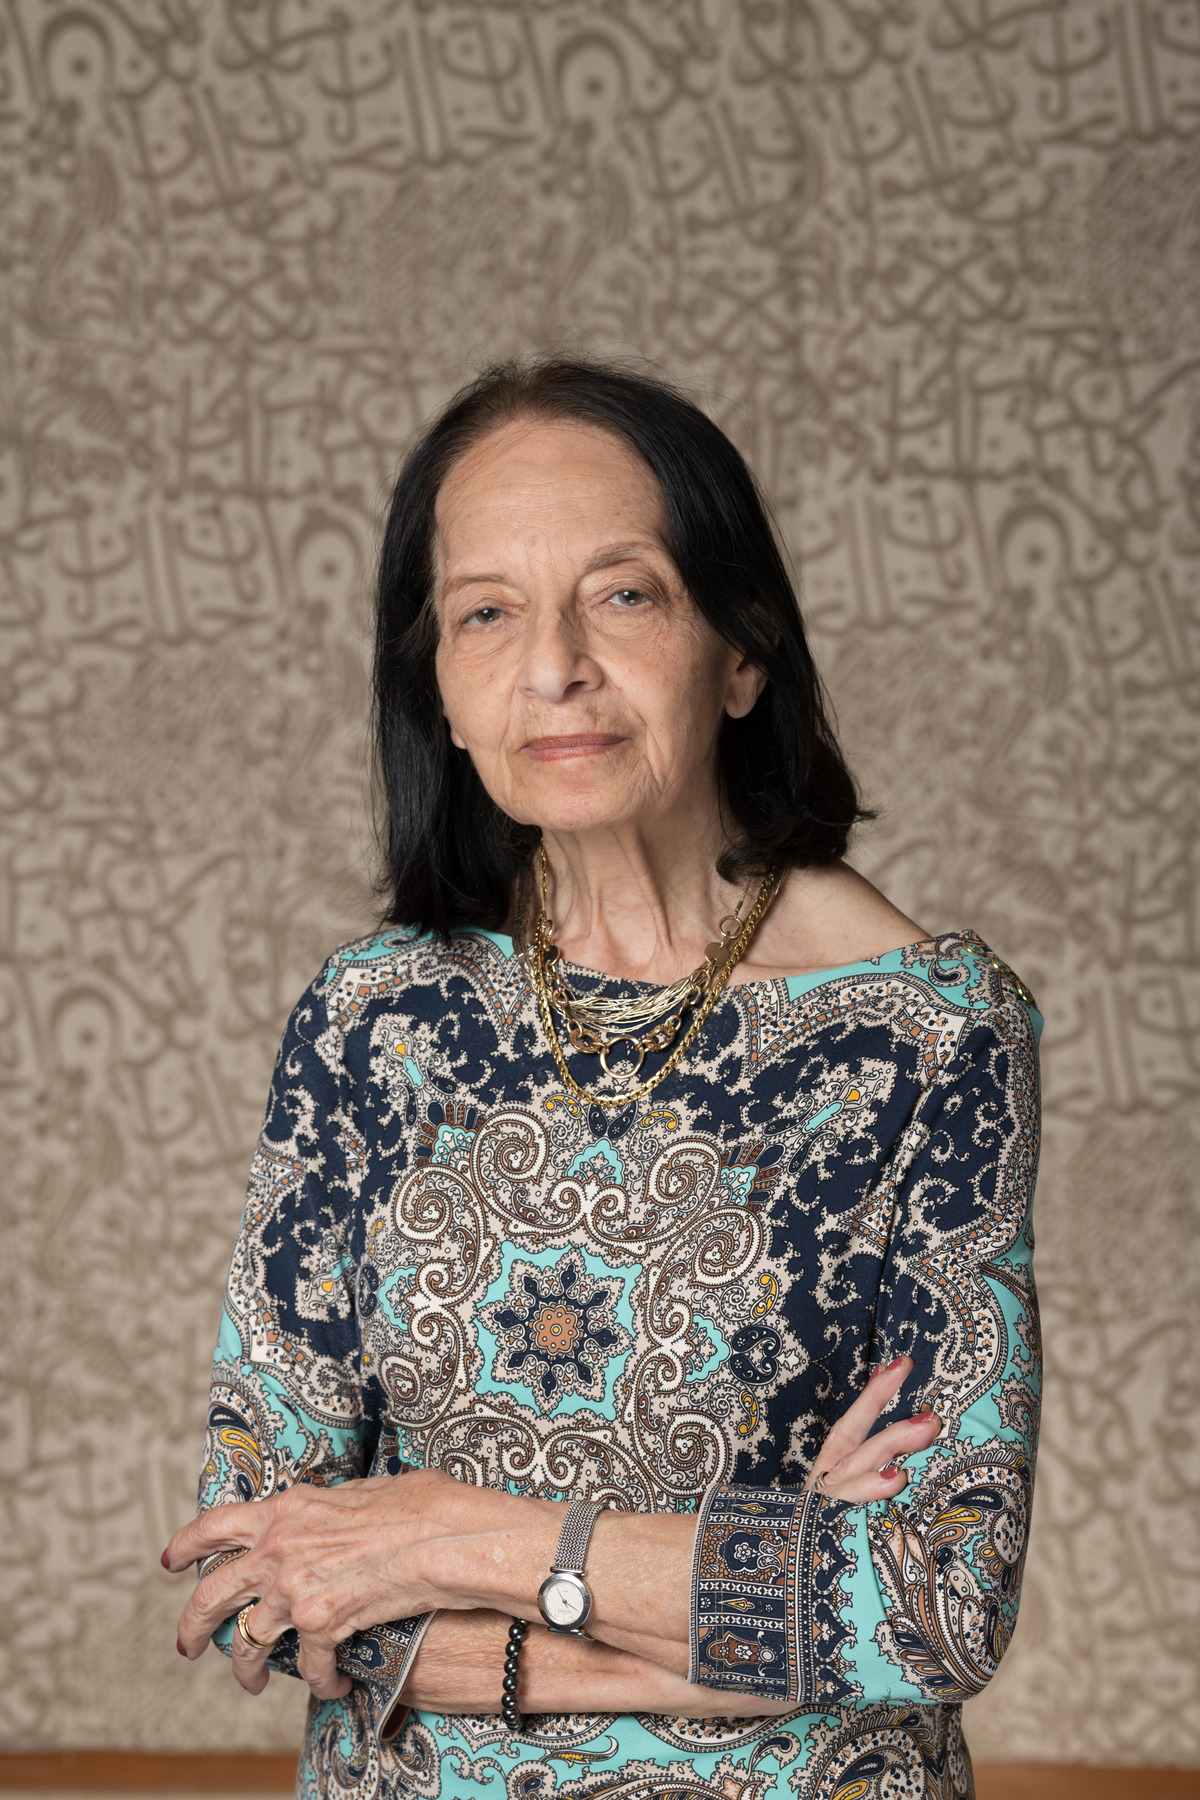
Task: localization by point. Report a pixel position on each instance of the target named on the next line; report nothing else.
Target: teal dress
(447, 1260)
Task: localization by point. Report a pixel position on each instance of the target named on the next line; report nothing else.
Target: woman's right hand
(851, 1464)
(459, 1664)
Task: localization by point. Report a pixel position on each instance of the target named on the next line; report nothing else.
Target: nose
(556, 664)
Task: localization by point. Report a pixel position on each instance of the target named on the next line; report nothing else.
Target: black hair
(452, 855)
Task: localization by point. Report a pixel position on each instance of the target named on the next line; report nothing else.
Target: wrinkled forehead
(563, 483)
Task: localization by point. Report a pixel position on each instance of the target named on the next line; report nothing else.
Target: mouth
(585, 743)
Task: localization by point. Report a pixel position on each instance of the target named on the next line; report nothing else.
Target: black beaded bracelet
(510, 1712)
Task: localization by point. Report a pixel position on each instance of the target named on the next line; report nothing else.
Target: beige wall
(936, 268)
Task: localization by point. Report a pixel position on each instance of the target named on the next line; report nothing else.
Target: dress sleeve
(811, 1601)
(288, 1402)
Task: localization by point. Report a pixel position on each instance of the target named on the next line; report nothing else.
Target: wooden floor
(43, 1775)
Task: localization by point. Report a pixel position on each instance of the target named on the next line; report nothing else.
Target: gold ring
(247, 1636)
(818, 1485)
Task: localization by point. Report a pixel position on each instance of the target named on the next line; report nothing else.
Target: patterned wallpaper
(935, 265)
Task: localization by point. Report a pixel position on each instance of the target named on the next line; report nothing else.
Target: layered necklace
(596, 1025)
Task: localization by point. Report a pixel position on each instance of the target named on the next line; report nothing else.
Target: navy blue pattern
(766, 1595)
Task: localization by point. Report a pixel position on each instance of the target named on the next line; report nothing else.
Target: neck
(637, 901)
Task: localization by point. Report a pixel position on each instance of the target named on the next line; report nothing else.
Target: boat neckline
(969, 939)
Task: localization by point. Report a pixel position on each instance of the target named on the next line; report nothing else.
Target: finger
(854, 1426)
(901, 1438)
(217, 1598)
(877, 1484)
(871, 1472)
(250, 1660)
(883, 1384)
(237, 1525)
(318, 1666)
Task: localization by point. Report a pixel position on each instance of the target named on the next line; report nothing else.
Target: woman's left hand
(330, 1561)
(852, 1464)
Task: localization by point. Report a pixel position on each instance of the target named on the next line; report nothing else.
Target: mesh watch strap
(571, 1554)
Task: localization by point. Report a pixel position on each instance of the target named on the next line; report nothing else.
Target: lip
(584, 743)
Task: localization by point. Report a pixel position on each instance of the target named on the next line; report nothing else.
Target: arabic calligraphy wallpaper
(935, 265)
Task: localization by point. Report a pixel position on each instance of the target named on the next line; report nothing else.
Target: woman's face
(573, 667)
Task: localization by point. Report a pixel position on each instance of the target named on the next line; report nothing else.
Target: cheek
(461, 696)
(476, 700)
(680, 696)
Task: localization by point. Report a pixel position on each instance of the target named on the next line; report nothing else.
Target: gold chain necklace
(597, 1024)
(588, 1018)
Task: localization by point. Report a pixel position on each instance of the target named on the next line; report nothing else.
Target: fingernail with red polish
(890, 1472)
(165, 1559)
(179, 1646)
(925, 1416)
(894, 1364)
(877, 1370)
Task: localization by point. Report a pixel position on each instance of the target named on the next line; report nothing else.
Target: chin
(567, 821)
(556, 810)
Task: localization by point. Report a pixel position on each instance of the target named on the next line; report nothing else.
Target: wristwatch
(563, 1598)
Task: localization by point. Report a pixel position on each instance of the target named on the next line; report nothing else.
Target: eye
(483, 615)
(627, 598)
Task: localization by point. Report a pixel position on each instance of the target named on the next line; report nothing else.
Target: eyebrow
(603, 559)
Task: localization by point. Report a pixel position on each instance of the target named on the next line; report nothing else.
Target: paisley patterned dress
(447, 1261)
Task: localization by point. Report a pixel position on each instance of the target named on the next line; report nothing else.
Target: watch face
(564, 1600)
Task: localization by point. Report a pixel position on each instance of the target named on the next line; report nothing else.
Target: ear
(746, 682)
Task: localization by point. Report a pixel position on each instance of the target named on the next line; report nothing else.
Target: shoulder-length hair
(787, 795)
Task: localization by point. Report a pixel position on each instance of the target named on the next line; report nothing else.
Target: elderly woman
(628, 1378)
